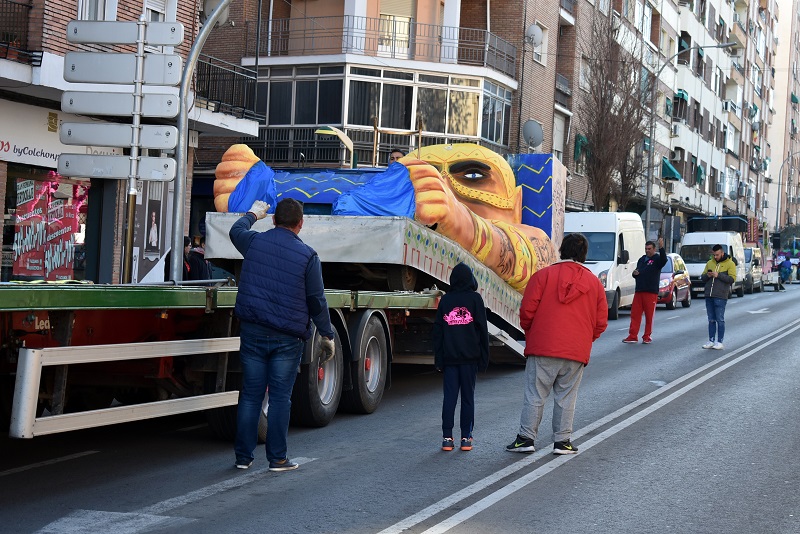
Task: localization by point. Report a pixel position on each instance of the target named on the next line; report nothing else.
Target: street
(672, 438)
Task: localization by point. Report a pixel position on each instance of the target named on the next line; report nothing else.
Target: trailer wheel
(318, 389)
(370, 368)
(222, 421)
(401, 278)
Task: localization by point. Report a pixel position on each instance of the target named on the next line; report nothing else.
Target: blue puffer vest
(272, 284)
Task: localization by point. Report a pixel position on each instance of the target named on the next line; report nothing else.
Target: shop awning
(581, 143)
(795, 100)
(682, 94)
(668, 172)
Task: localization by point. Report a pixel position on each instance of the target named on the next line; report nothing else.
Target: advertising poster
(47, 229)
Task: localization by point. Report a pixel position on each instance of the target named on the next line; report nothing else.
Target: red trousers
(642, 302)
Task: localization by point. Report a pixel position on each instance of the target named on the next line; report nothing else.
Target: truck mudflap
(26, 424)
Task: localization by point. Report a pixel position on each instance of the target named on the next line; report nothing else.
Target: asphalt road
(672, 438)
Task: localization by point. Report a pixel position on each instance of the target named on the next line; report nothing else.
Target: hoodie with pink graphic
(460, 333)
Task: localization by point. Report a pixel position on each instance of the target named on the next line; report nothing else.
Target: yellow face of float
(479, 178)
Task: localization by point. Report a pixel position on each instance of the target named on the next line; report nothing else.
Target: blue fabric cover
(257, 184)
(282, 276)
(389, 193)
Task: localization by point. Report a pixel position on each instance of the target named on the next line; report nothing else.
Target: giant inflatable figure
(464, 191)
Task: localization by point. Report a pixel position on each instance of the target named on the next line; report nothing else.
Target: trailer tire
(318, 388)
(369, 368)
(401, 278)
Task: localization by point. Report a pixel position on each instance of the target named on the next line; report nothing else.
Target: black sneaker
(243, 464)
(564, 447)
(283, 465)
(448, 444)
(521, 444)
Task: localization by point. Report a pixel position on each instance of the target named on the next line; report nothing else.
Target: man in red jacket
(563, 311)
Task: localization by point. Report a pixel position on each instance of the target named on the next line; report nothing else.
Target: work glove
(259, 209)
(327, 349)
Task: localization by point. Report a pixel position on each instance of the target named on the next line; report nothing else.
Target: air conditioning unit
(669, 187)
(676, 130)
(720, 187)
(765, 203)
(742, 189)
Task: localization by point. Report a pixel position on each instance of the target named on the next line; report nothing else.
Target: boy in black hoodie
(461, 347)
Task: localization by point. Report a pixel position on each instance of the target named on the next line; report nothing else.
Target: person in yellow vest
(718, 276)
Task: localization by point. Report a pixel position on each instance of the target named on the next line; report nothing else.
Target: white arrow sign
(102, 67)
(91, 166)
(86, 133)
(95, 103)
(762, 310)
(108, 32)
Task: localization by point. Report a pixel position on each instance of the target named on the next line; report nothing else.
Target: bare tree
(613, 108)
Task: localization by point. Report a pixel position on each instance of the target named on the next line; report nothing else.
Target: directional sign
(101, 67)
(95, 103)
(91, 166)
(87, 133)
(107, 32)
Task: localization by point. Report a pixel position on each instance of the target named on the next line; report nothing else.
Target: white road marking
(762, 310)
(148, 518)
(510, 488)
(46, 462)
(671, 318)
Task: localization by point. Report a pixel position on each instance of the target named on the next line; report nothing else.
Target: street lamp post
(651, 157)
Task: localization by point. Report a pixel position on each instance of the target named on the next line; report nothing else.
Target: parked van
(696, 251)
(616, 242)
(752, 269)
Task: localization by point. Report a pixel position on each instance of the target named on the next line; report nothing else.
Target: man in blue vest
(280, 292)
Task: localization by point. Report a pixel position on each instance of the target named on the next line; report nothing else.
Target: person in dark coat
(187, 245)
(648, 276)
(198, 266)
(461, 348)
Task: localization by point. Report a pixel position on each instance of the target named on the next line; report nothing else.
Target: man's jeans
(268, 360)
(715, 309)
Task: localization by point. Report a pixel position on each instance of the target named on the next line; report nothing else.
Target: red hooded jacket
(563, 311)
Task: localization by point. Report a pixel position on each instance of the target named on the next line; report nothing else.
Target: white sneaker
(709, 345)
(718, 346)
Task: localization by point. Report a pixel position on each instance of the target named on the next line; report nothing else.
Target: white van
(696, 251)
(616, 242)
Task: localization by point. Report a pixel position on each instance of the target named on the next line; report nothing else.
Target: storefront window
(44, 226)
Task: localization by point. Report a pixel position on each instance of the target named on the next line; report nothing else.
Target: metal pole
(178, 201)
(651, 163)
(136, 130)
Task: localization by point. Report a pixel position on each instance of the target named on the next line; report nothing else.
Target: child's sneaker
(448, 444)
(521, 444)
(466, 444)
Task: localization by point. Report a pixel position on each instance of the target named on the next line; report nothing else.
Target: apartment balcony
(737, 72)
(225, 88)
(563, 91)
(739, 34)
(14, 33)
(383, 38)
(567, 13)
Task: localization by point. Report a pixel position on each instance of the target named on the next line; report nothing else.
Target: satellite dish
(532, 133)
(533, 35)
(211, 5)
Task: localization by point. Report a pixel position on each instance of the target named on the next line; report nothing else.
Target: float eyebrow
(469, 164)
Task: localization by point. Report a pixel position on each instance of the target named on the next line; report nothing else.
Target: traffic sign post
(126, 69)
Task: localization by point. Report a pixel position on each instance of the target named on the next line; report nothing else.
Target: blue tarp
(257, 184)
(388, 193)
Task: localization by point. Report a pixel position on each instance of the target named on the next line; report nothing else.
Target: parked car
(753, 274)
(675, 285)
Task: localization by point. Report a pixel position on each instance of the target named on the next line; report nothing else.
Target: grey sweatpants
(543, 375)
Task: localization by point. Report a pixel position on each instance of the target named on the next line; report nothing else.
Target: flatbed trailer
(77, 356)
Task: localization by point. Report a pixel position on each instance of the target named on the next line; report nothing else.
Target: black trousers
(459, 377)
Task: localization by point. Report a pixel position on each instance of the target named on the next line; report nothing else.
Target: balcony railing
(225, 87)
(563, 91)
(14, 33)
(383, 37)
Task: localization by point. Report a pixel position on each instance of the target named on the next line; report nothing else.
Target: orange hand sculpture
(468, 193)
